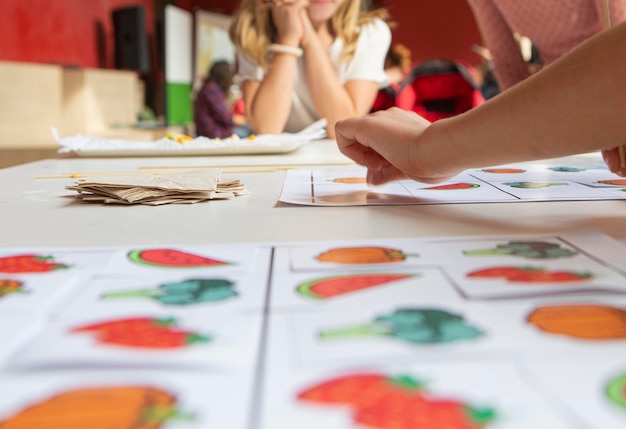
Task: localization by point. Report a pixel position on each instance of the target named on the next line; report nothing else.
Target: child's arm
(269, 101)
(575, 105)
(333, 100)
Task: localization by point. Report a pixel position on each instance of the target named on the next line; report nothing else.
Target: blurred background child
(213, 114)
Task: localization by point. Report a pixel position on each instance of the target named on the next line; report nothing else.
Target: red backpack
(443, 88)
(434, 89)
(385, 99)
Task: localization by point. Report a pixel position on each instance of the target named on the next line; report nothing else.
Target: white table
(40, 212)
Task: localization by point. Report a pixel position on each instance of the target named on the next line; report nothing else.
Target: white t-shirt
(367, 64)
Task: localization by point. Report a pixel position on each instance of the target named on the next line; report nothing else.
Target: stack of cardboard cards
(157, 188)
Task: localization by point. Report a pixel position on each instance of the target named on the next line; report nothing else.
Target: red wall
(73, 32)
(219, 6)
(435, 29)
(80, 32)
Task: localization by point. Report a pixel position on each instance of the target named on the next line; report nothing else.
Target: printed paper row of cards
(440, 333)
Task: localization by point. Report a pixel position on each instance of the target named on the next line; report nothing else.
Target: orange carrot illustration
(10, 286)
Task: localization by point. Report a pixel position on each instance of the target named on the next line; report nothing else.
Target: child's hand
(613, 160)
(286, 15)
(388, 144)
(308, 31)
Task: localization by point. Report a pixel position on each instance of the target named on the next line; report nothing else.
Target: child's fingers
(615, 160)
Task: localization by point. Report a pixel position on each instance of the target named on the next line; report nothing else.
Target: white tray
(83, 146)
(250, 149)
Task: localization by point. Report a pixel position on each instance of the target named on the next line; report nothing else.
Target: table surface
(40, 212)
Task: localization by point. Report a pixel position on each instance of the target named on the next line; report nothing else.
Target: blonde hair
(252, 29)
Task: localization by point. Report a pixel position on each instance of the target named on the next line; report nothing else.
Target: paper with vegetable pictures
(85, 398)
(34, 281)
(392, 311)
(180, 186)
(476, 394)
(507, 183)
(157, 339)
(263, 143)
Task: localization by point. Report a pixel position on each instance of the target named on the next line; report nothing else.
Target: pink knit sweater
(554, 26)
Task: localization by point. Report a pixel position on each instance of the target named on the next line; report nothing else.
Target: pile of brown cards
(157, 188)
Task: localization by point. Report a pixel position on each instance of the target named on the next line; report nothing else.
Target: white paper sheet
(515, 183)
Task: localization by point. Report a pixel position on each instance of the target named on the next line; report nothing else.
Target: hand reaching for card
(388, 144)
(614, 159)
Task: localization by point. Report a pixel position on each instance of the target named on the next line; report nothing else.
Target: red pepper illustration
(29, 263)
(531, 275)
(142, 332)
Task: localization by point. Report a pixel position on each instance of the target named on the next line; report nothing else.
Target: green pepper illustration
(525, 249)
(187, 292)
(417, 326)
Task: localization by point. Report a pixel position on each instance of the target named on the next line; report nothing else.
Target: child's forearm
(330, 98)
(272, 101)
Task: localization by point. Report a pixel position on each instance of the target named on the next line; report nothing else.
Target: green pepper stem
(484, 252)
(374, 329)
(144, 293)
(406, 255)
(159, 414)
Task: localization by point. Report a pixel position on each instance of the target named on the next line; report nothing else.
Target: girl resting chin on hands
(303, 60)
